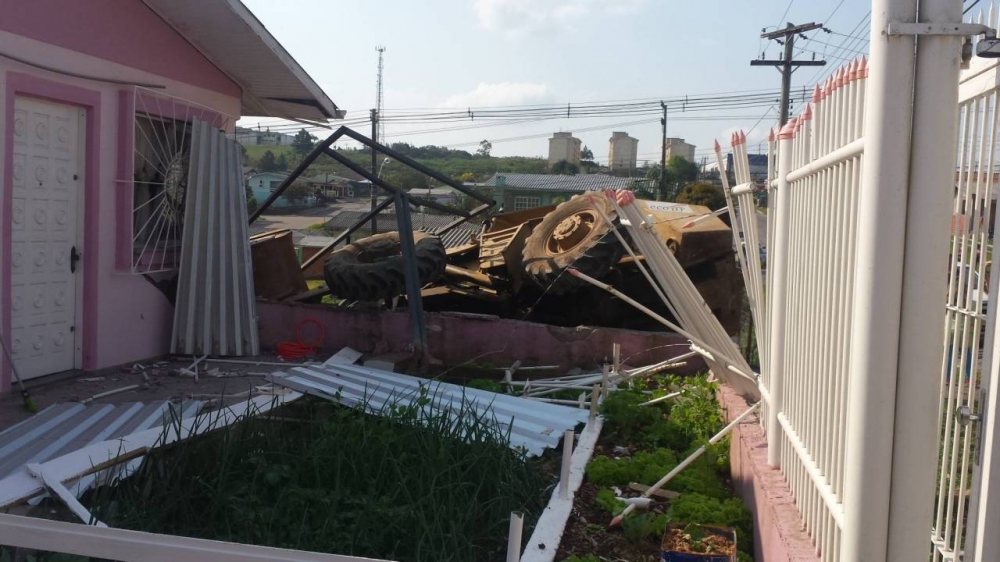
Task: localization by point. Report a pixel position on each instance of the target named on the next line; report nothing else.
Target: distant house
(338, 186)
(758, 169)
(263, 184)
(442, 195)
(517, 192)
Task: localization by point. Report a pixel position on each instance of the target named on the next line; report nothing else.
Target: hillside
(455, 164)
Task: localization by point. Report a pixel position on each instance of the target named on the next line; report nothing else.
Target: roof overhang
(235, 41)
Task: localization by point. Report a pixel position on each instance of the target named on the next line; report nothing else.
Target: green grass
(405, 485)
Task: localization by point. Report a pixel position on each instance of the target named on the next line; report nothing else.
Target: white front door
(46, 232)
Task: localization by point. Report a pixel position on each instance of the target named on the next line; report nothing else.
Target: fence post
(900, 261)
(928, 215)
(778, 274)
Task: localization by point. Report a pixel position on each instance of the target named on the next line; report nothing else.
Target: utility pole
(378, 131)
(663, 155)
(787, 64)
(374, 227)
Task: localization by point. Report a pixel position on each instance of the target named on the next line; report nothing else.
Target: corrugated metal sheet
(216, 311)
(458, 236)
(64, 428)
(533, 425)
(555, 182)
(426, 222)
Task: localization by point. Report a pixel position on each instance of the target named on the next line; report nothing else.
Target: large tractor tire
(574, 234)
(372, 268)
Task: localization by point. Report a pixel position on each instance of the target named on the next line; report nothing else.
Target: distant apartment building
(253, 137)
(622, 152)
(564, 146)
(677, 147)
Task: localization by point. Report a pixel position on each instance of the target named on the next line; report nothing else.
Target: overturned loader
(517, 266)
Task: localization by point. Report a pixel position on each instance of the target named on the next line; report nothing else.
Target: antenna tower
(378, 96)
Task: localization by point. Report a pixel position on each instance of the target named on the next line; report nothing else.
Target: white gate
(964, 527)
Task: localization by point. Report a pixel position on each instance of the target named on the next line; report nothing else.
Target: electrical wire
(848, 43)
(782, 18)
(680, 105)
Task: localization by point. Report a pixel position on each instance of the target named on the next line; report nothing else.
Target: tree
(252, 203)
(681, 170)
(699, 193)
(298, 192)
(281, 163)
(586, 155)
(267, 162)
(484, 148)
(564, 167)
(405, 178)
(664, 183)
(466, 177)
(303, 143)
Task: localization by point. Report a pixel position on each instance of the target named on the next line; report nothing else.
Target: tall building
(677, 147)
(564, 146)
(622, 152)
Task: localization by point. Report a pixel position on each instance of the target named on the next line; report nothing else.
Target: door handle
(74, 257)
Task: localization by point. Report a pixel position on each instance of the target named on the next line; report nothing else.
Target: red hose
(299, 349)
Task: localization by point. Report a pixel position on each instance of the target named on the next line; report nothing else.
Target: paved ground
(302, 220)
(762, 228)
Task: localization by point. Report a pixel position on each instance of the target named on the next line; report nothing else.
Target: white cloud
(501, 93)
(513, 16)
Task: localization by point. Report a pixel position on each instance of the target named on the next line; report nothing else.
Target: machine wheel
(573, 234)
(372, 268)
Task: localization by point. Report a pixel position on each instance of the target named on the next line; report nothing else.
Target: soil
(677, 540)
(587, 533)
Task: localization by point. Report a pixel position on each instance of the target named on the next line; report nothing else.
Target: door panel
(46, 224)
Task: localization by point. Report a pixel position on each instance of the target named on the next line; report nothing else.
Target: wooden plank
(663, 494)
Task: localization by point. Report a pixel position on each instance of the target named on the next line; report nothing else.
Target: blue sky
(477, 53)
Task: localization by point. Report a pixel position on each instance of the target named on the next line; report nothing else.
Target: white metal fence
(967, 362)
(857, 235)
(813, 213)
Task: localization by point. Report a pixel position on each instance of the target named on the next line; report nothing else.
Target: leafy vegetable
(608, 501)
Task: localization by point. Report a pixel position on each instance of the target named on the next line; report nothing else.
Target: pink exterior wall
(129, 319)
(456, 338)
(778, 534)
(122, 31)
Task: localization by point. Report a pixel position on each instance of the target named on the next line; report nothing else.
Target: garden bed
(403, 485)
(639, 445)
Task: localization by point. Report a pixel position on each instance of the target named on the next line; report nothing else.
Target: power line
(824, 43)
(686, 105)
(847, 43)
(787, 8)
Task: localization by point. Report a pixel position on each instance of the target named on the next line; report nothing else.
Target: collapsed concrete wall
(456, 338)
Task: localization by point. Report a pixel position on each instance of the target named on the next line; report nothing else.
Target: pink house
(98, 97)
